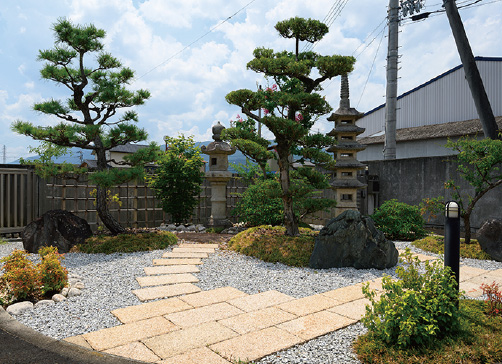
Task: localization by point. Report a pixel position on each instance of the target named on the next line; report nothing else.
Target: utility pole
(472, 75)
(389, 150)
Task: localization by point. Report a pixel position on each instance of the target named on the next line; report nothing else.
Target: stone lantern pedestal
(218, 176)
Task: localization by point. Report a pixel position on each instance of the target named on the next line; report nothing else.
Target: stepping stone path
(177, 323)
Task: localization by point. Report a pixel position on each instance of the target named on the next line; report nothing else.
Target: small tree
(479, 164)
(98, 93)
(178, 178)
(291, 106)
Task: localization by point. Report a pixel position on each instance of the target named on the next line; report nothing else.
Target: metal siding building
(443, 99)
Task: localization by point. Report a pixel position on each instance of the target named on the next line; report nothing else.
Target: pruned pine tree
(92, 117)
(290, 108)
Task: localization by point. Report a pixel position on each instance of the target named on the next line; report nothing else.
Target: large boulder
(58, 228)
(490, 238)
(351, 240)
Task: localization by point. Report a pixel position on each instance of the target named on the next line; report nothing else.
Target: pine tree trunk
(290, 219)
(467, 227)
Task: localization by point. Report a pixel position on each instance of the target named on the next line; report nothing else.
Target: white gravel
(109, 280)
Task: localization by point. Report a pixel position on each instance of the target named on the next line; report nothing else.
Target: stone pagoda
(345, 182)
(218, 175)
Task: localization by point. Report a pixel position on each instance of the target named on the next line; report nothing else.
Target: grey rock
(351, 240)
(490, 238)
(64, 291)
(19, 308)
(171, 227)
(200, 228)
(78, 285)
(191, 228)
(181, 228)
(44, 303)
(58, 298)
(74, 292)
(58, 228)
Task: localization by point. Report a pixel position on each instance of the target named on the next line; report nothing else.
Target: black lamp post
(452, 238)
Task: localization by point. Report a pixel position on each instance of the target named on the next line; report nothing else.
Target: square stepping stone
(471, 289)
(78, 340)
(203, 314)
(423, 257)
(135, 351)
(124, 334)
(184, 255)
(151, 293)
(188, 245)
(354, 309)
(150, 309)
(486, 279)
(167, 279)
(171, 269)
(196, 356)
(182, 341)
(256, 345)
(375, 284)
(184, 261)
(193, 250)
(307, 305)
(467, 272)
(260, 300)
(317, 324)
(257, 320)
(346, 294)
(213, 296)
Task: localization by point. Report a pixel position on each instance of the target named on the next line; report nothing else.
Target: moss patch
(269, 244)
(435, 244)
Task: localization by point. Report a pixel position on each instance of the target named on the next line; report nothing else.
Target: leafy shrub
(416, 309)
(493, 301)
(21, 279)
(128, 243)
(53, 275)
(399, 221)
(270, 244)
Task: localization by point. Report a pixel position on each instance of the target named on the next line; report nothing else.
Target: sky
(190, 53)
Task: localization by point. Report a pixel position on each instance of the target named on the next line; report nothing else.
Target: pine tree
(91, 117)
(291, 106)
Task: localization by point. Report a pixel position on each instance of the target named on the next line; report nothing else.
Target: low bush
(493, 301)
(21, 278)
(128, 243)
(416, 309)
(435, 244)
(399, 221)
(270, 244)
(53, 276)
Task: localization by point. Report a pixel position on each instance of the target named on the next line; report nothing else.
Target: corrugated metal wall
(441, 100)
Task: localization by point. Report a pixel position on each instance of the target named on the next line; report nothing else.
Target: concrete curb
(64, 349)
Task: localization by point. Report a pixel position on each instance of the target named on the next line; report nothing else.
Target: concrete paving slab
(467, 272)
(151, 293)
(487, 279)
(184, 261)
(201, 245)
(182, 341)
(150, 309)
(171, 269)
(471, 289)
(256, 345)
(307, 305)
(167, 279)
(203, 314)
(375, 284)
(497, 273)
(78, 340)
(257, 320)
(196, 356)
(212, 296)
(136, 351)
(120, 335)
(354, 309)
(260, 300)
(423, 257)
(345, 294)
(317, 324)
(185, 255)
(193, 250)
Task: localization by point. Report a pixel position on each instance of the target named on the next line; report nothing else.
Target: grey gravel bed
(109, 280)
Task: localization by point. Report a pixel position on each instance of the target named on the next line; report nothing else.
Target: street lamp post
(452, 238)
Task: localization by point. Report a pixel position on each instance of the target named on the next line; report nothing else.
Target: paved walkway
(224, 325)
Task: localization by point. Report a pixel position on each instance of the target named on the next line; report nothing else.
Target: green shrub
(21, 279)
(417, 308)
(399, 221)
(261, 204)
(270, 244)
(435, 244)
(53, 275)
(128, 243)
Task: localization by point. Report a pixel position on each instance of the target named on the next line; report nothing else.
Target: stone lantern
(345, 182)
(218, 176)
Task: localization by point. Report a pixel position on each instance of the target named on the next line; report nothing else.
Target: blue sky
(189, 82)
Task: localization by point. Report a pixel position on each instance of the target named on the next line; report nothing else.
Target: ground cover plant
(435, 244)
(399, 221)
(270, 244)
(127, 243)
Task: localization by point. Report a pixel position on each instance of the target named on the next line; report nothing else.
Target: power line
(195, 41)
